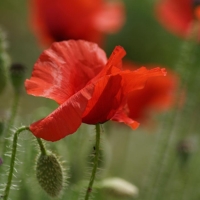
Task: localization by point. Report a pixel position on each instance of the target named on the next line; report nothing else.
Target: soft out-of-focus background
(127, 154)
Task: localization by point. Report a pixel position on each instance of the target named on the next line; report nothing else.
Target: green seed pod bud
(17, 75)
(50, 174)
(119, 188)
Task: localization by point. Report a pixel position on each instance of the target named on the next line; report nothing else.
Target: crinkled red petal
(114, 64)
(65, 119)
(134, 80)
(64, 69)
(107, 94)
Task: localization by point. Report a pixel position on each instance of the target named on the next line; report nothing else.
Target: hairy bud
(50, 174)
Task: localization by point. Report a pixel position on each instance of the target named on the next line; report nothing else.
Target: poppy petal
(65, 119)
(114, 64)
(115, 58)
(64, 69)
(131, 81)
(158, 94)
(110, 18)
(111, 92)
(134, 80)
(121, 116)
(105, 100)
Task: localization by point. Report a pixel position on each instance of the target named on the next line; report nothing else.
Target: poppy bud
(17, 75)
(50, 174)
(4, 60)
(118, 187)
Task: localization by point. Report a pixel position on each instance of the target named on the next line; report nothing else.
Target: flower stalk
(95, 164)
(41, 145)
(12, 162)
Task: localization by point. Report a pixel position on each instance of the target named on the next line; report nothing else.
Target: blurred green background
(127, 154)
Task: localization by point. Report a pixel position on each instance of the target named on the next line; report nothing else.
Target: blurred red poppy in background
(79, 19)
(89, 89)
(178, 15)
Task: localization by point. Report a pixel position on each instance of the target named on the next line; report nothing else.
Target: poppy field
(99, 100)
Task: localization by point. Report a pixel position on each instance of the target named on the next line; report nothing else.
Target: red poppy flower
(159, 94)
(178, 15)
(89, 89)
(80, 19)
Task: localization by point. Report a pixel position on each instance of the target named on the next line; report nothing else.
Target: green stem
(41, 145)
(96, 159)
(10, 121)
(12, 162)
(13, 110)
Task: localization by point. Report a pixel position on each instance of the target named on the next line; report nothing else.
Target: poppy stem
(42, 147)
(95, 164)
(12, 161)
(13, 110)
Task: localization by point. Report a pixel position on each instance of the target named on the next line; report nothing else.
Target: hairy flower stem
(95, 164)
(12, 162)
(41, 145)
